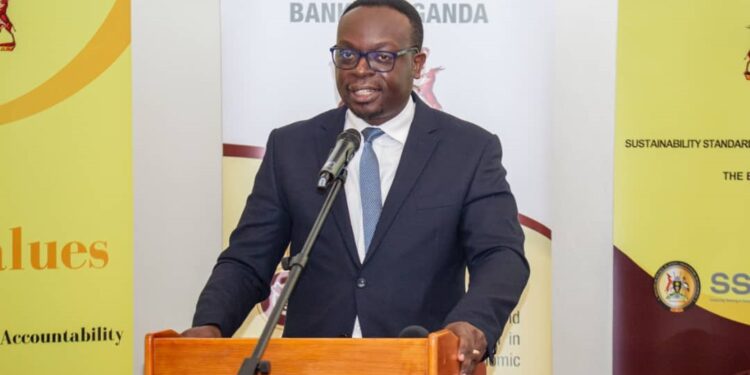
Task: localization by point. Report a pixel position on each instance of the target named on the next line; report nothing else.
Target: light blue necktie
(369, 185)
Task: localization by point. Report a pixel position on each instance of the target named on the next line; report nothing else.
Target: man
(374, 270)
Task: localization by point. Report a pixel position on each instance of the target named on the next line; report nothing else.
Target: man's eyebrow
(382, 46)
(343, 44)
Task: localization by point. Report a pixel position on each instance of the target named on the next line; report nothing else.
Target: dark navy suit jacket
(449, 207)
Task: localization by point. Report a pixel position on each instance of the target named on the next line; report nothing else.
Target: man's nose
(363, 67)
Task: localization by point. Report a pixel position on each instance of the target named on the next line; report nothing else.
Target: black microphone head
(413, 332)
(351, 135)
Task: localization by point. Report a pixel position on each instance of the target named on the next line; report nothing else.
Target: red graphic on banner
(6, 27)
(425, 84)
(747, 65)
(277, 285)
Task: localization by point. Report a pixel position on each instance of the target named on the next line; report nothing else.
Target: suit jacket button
(361, 282)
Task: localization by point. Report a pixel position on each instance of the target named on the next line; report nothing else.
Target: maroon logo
(6, 27)
(747, 65)
(425, 84)
(277, 285)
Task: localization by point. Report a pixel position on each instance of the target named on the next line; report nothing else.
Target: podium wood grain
(167, 353)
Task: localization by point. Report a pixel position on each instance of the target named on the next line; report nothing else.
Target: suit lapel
(419, 146)
(326, 139)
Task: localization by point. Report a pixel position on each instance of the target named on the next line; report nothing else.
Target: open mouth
(363, 94)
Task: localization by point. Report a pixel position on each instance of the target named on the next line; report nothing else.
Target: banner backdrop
(488, 63)
(682, 188)
(66, 204)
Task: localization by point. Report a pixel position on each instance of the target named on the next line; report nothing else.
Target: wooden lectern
(168, 353)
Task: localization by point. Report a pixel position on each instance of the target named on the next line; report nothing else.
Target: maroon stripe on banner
(535, 225)
(242, 151)
(649, 339)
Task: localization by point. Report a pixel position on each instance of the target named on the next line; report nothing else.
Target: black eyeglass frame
(368, 55)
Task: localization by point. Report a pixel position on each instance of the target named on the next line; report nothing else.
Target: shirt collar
(396, 128)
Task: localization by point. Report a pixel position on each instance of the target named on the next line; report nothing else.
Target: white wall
(583, 137)
(176, 159)
(177, 171)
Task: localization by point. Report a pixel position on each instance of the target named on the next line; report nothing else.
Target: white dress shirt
(388, 149)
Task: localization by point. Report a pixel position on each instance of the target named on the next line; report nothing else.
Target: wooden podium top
(167, 353)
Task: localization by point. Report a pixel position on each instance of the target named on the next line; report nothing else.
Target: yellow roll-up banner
(66, 198)
(682, 188)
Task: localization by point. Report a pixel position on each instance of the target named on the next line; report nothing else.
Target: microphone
(347, 143)
(413, 332)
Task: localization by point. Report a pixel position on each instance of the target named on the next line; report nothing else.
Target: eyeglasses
(379, 61)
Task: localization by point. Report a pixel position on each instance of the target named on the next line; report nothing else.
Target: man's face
(374, 96)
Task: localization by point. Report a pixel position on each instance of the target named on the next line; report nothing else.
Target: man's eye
(347, 54)
(383, 57)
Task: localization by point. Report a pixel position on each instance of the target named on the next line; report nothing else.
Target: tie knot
(371, 133)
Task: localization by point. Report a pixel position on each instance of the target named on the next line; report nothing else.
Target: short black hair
(401, 6)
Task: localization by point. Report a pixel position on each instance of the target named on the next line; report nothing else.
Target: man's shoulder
(304, 127)
(455, 127)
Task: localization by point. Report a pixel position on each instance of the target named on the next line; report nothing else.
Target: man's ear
(419, 61)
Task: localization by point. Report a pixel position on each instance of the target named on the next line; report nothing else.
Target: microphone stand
(254, 365)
